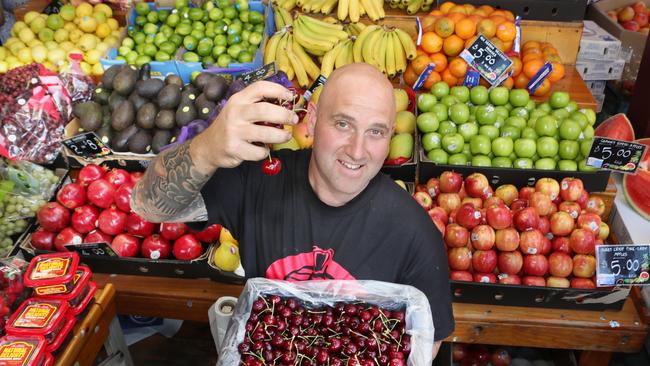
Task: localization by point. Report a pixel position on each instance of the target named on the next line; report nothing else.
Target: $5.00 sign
(623, 264)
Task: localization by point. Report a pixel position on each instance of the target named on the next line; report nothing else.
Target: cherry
(272, 166)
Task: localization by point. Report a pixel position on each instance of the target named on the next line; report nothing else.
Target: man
(327, 214)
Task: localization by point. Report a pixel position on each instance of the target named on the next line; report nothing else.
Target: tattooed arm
(170, 190)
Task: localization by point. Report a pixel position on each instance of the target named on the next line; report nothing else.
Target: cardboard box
(597, 44)
(600, 100)
(599, 70)
(597, 86)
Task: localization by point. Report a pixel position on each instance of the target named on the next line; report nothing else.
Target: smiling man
(328, 214)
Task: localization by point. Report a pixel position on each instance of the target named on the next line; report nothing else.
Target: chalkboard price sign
(617, 155)
(92, 249)
(623, 265)
(87, 145)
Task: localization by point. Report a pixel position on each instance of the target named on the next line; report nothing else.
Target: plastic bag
(419, 322)
(29, 178)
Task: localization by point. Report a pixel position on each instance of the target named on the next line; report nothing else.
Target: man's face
(352, 134)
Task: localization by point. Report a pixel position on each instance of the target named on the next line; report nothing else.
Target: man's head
(352, 126)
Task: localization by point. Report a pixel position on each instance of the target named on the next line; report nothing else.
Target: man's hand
(229, 139)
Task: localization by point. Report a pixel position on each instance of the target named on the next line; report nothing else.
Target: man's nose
(355, 147)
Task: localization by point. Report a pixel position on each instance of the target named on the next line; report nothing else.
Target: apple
(533, 281)
(507, 239)
(499, 217)
(604, 231)
(561, 244)
(582, 283)
(526, 219)
(572, 208)
(459, 258)
(531, 242)
(448, 201)
(613, 15)
(631, 25)
(508, 193)
(484, 260)
(641, 19)
(546, 246)
(541, 203)
(433, 187)
(560, 264)
(640, 7)
(485, 277)
(460, 276)
(456, 236)
(526, 192)
(468, 216)
(423, 199)
(571, 189)
(476, 202)
(450, 182)
(510, 262)
(438, 213)
(482, 237)
(518, 204)
(548, 186)
(561, 224)
(544, 225)
(560, 282)
(507, 279)
(582, 241)
(401, 99)
(595, 205)
(476, 185)
(584, 265)
(420, 188)
(493, 201)
(589, 221)
(582, 201)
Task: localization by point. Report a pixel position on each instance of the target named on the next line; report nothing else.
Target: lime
(255, 38)
(242, 5)
(182, 3)
(190, 43)
(223, 3)
(152, 17)
(208, 5)
(224, 60)
(209, 32)
(218, 50)
(148, 39)
(245, 56)
(150, 28)
(198, 26)
(255, 17)
(166, 30)
(183, 29)
(162, 56)
(131, 57)
(139, 37)
(220, 27)
(140, 20)
(190, 57)
(249, 27)
(230, 13)
(184, 13)
(205, 17)
(220, 40)
(120, 58)
(163, 15)
(243, 15)
(233, 39)
(173, 20)
(150, 50)
(128, 42)
(234, 50)
(204, 48)
(122, 51)
(253, 50)
(158, 39)
(259, 29)
(167, 47)
(209, 25)
(176, 40)
(195, 13)
(197, 34)
(208, 60)
(244, 35)
(215, 14)
(139, 49)
(244, 44)
(142, 8)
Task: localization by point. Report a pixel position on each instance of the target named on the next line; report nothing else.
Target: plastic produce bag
(419, 322)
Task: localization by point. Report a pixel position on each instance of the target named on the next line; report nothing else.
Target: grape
(11, 208)
(7, 242)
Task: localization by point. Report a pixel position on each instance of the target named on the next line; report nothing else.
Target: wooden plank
(592, 358)
(564, 36)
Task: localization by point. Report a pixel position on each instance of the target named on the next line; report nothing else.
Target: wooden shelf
(573, 83)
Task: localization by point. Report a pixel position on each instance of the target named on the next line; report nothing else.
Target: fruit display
(347, 9)
(130, 111)
(502, 128)
(633, 17)
(49, 39)
(401, 143)
(217, 33)
(465, 354)
(539, 236)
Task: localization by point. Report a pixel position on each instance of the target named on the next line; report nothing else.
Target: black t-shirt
(286, 232)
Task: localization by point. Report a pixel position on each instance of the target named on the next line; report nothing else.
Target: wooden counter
(572, 83)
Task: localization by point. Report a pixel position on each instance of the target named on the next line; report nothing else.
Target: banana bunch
(338, 56)
(287, 5)
(354, 9)
(316, 36)
(411, 6)
(290, 57)
(385, 48)
(354, 29)
(282, 17)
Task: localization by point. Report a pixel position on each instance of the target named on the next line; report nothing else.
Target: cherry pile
(16, 81)
(282, 331)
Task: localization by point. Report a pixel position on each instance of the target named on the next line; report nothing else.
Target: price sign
(92, 249)
(622, 264)
(485, 57)
(87, 145)
(620, 156)
(320, 81)
(262, 73)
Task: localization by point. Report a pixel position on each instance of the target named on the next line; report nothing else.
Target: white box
(599, 70)
(597, 86)
(597, 44)
(600, 99)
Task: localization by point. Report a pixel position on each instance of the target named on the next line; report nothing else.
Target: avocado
(185, 113)
(169, 97)
(123, 116)
(125, 80)
(105, 133)
(202, 80)
(204, 107)
(106, 115)
(137, 100)
(101, 95)
(172, 79)
(114, 100)
(121, 139)
(161, 139)
(140, 142)
(149, 88)
(146, 116)
(216, 89)
(109, 75)
(89, 115)
(189, 96)
(189, 88)
(165, 119)
(145, 72)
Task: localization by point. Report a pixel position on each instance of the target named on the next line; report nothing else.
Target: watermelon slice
(637, 191)
(645, 160)
(616, 127)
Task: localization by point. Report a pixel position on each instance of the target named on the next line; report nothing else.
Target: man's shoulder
(398, 203)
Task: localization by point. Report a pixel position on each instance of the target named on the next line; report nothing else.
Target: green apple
(447, 127)
(591, 115)
(530, 106)
(499, 95)
(427, 122)
(545, 107)
(502, 113)
(571, 107)
(536, 113)
(502, 162)
(467, 150)
(440, 89)
(491, 132)
(511, 132)
(547, 147)
(519, 112)
(508, 106)
(461, 93)
(579, 117)
(529, 133)
(560, 114)
(457, 159)
(588, 132)
(441, 111)
(585, 146)
(559, 99)
(568, 149)
(546, 126)
(438, 156)
(514, 121)
(545, 164)
(453, 143)
(431, 141)
(570, 129)
(481, 160)
(485, 114)
(478, 95)
(567, 165)
(525, 147)
(523, 163)
(449, 100)
(502, 146)
(519, 97)
(426, 101)
(583, 167)
(467, 130)
(459, 113)
(480, 145)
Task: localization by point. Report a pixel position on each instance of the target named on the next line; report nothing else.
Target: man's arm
(436, 348)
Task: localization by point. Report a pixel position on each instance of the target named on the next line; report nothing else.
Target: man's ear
(312, 110)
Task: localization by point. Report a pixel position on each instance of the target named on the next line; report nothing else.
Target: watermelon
(637, 191)
(616, 127)
(645, 160)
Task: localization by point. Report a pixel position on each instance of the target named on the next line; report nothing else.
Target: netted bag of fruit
(380, 315)
(11, 283)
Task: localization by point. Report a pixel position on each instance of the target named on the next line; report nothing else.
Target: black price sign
(92, 249)
(87, 145)
(485, 57)
(622, 264)
(262, 73)
(620, 156)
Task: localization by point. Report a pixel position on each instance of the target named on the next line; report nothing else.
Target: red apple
(493, 201)
(67, 236)
(461, 276)
(477, 185)
(582, 241)
(476, 202)
(485, 277)
(507, 239)
(541, 203)
(584, 265)
(452, 216)
(499, 217)
(420, 188)
(595, 205)
(507, 279)
(448, 201)
(459, 258)
(187, 248)
(484, 260)
(612, 14)
(561, 224)
(482, 237)
(450, 182)
(572, 208)
(510, 262)
(173, 231)
(631, 25)
(531, 242)
(533, 281)
(626, 14)
(489, 192)
(441, 226)
(559, 282)
(526, 219)
(526, 192)
(582, 201)
(544, 225)
(462, 193)
(126, 245)
(468, 216)
(437, 213)
(433, 187)
(549, 186)
(640, 7)
(560, 264)
(571, 189)
(501, 357)
(518, 204)
(546, 246)
(456, 236)
(604, 231)
(535, 265)
(423, 199)
(589, 221)
(508, 193)
(583, 283)
(561, 244)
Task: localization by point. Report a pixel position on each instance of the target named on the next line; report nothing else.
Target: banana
(407, 43)
(298, 67)
(321, 34)
(370, 10)
(308, 40)
(358, 43)
(354, 11)
(317, 53)
(285, 15)
(380, 6)
(400, 56)
(289, 4)
(362, 10)
(328, 6)
(414, 7)
(391, 70)
(327, 65)
(342, 10)
(279, 21)
(329, 29)
(271, 48)
(369, 46)
(379, 52)
(342, 57)
(282, 60)
(300, 3)
(312, 70)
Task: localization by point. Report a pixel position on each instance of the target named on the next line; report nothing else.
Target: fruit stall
(531, 186)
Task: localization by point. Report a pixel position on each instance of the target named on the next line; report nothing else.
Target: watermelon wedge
(637, 191)
(645, 160)
(616, 127)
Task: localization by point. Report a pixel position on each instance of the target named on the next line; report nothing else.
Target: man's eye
(377, 133)
(341, 124)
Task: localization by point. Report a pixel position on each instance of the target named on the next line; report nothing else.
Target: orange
(437, 13)
(506, 31)
(484, 82)
(531, 56)
(507, 46)
(420, 63)
(487, 28)
(532, 67)
(497, 43)
(446, 6)
(444, 27)
(498, 19)
(453, 45)
(469, 42)
(543, 88)
(508, 83)
(530, 44)
(440, 60)
(553, 58)
(516, 66)
(521, 81)
(508, 14)
(448, 78)
(465, 28)
(431, 42)
(410, 76)
(486, 8)
(475, 18)
(419, 51)
(456, 17)
(469, 8)
(558, 72)
(428, 22)
(458, 9)
(458, 67)
(433, 78)
(480, 12)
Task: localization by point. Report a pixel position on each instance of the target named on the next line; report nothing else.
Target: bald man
(328, 214)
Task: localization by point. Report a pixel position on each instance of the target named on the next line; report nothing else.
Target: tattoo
(170, 189)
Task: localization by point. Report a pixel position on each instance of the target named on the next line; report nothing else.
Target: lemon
(3, 67)
(34, 42)
(66, 46)
(86, 68)
(88, 24)
(111, 41)
(97, 70)
(84, 10)
(11, 58)
(70, 27)
(48, 65)
(92, 57)
(67, 12)
(61, 35)
(18, 26)
(3, 53)
(112, 22)
(39, 53)
(25, 55)
(75, 35)
(102, 47)
(87, 42)
(10, 41)
(26, 35)
(100, 17)
(13, 63)
(30, 16)
(103, 30)
(104, 9)
(37, 24)
(16, 46)
(56, 56)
